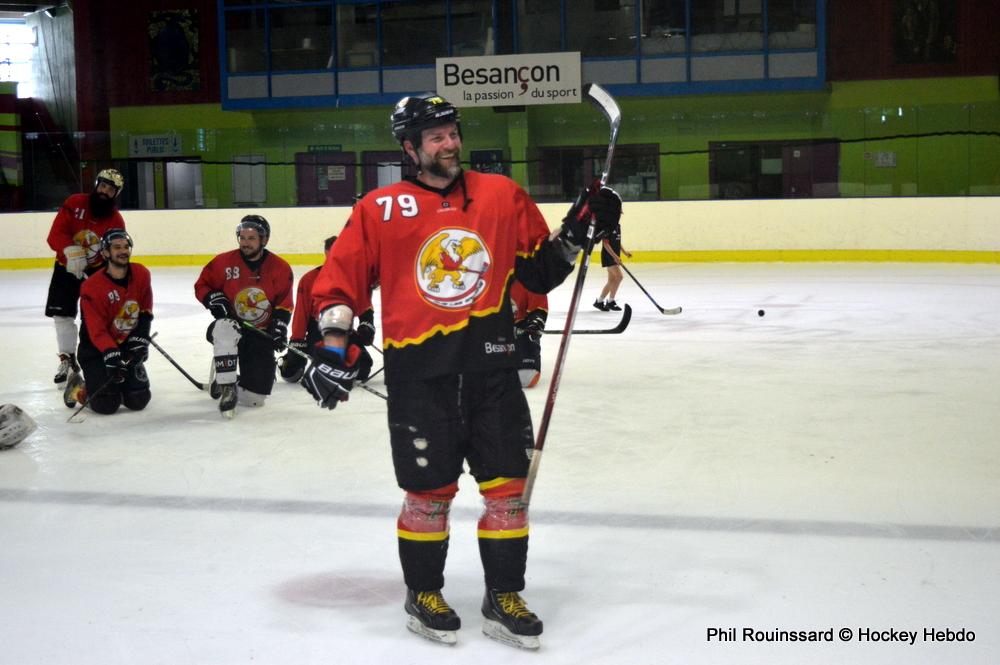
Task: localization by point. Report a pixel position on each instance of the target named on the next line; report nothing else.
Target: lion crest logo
(252, 305)
(452, 267)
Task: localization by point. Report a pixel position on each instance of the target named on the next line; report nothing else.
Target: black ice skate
(431, 616)
(227, 400)
(612, 306)
(75, 391)
(600, 304)
(67, 365)
(508, 620)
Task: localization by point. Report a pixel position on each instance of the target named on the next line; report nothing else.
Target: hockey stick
(606, 104)
(197, 384)
(307, 357)
(663, 310)
(620, 328)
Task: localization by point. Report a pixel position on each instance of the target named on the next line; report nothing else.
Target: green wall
(934, 166)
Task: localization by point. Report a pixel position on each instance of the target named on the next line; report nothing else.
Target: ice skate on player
(507, 619)
(431, 617)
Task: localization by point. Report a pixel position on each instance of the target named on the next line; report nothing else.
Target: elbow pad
(337, 318)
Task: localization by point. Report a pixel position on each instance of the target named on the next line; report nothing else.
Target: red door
(325, 178)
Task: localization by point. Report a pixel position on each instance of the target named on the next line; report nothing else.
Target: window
(17, 42)
(791, 24)
(301, 38)
(245, 46)
(559, 173)
(414, 33)
(601, 29)
(538, 26)
(664, 28)
(357, 31)
(471, 27)
(727, 25)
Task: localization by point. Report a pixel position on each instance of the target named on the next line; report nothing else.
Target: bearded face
(440, 152)
(101, 205)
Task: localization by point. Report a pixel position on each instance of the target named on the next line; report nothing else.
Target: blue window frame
(308, 53)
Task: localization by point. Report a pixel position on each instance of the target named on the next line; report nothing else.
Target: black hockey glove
(532, 326)
(365, 334)
(329, 378)
(137, 347)
(115, 365)
(278, 330)
(219, 305)
(606, 207)
(292, 365)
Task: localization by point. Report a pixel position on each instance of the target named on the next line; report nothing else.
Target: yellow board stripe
(499, 535)
(422, 536)
(707, 256)
(496, 482)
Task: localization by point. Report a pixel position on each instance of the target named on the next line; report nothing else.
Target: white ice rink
(832, 465)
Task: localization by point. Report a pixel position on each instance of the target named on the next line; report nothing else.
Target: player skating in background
(305, 329)
(116, 305)
(606, 301)
(248, 285)
(75, 237)
(445, 246)
(531, 310)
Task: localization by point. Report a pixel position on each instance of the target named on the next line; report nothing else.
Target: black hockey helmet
(255, 222)
(114, 234)
(416, 113)
(112, 177)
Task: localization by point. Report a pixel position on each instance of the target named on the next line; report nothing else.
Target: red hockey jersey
(304, 313)
(111, 308)
(527, 302)
(74, 225)
(255, 293)
(444, 259)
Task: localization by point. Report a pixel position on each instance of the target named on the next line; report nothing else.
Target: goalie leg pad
(422, 530)
(246, 397)
(66, 334)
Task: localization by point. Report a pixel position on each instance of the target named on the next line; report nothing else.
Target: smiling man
(117, 310)
(248, 285)
(445, 247)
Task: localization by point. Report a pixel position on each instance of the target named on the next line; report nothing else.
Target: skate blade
(228, 415)
(443, 636)
(497, 631)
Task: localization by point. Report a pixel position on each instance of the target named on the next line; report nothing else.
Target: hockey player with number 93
(445, 247)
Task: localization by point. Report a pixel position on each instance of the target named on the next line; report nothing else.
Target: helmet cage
(255, 223)
(114, 234)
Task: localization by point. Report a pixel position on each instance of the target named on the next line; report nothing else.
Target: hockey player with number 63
(445, 247)
(246, 286)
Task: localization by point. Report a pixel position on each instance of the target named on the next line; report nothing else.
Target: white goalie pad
(15, 425)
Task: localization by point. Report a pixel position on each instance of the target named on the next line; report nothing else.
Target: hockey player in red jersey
(75, 237)
(116, 305)
(248, 285)
(531, 310)
(305, 330)
(445, 246)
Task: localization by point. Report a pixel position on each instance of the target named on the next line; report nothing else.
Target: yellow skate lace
(512, 604)
(433, 602)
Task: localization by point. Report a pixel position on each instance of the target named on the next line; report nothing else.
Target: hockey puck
(760, 312)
